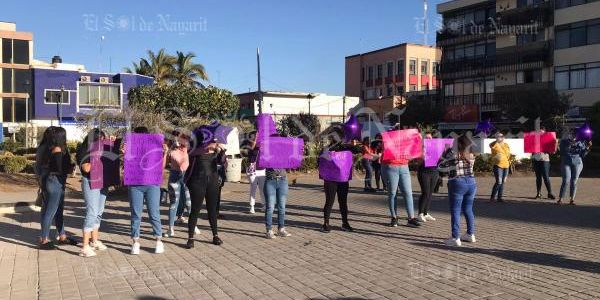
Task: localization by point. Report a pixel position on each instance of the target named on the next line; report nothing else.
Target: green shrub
(10, 146)
(13, 164)
(309, 163)
(483, 163)
(72, 146)
(30, 168)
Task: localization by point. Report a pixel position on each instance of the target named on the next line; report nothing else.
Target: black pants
(542, 171)
(378, 179)
(200, 188)
(331, 189)
(427, 180)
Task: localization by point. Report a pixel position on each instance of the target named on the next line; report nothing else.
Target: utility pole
(344, 109)
(62, 91)
(260, 95)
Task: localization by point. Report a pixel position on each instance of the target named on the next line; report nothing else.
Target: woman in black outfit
(202, 179)
(377, 146)
(428, 179)
(332, 188)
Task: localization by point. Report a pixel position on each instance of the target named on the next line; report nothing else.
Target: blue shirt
(572, 152)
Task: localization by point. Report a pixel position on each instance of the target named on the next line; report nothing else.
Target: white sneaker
(468, 238)
(160, 247)
(87, 251)
(135, 248)
(428, 217)
(283, 233)
(270, 235)
(422, 218)
(170, 232)
(252, 210)
(453, 242)
(196, 230)
(181, 220)
(98, 245)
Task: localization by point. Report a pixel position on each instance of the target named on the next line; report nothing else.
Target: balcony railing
(541, 12)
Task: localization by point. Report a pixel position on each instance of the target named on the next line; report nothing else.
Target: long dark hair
(93, 136)
(464, 146)
(54, 137)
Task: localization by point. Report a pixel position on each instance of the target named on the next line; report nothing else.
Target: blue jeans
(53, 206)
(94, 205)
(368, 167)
(399, 177)
(461, 192)
(137, 195)
(500, 175)
(570, 174)
(179, 196)
(275, 191)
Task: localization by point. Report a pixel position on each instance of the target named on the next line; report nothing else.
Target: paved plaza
(526, 249)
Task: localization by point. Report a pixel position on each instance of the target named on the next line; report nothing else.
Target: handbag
(39, 200)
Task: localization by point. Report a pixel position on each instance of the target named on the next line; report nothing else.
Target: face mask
(500, 139)
(176, 144)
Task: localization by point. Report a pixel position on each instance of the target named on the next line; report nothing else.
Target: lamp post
(310, 96)
(27, 90)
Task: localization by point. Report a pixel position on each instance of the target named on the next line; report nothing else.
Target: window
(480, 50)
(566, 3)
(489, 86)
(371, 94)
(54, 96)
(413, 87)
(362, 74)
(529, 76)
(435, 68)
(469, 51)
(490, 50)
(390, 69)
(449, 90)
(593, 32)
(424, 87)
(7, 80)
(424, 67)
(14, 110)
(390, 90)
(370, 75)
(459, 53)
(577, 77)
(400, 68)
(7, 51)
(16, 81)
(99, 95)
(480, 16)
(379, 71)
(562, 38)
(593, 75)
(449, 54)
(412, 67)
(577, 34)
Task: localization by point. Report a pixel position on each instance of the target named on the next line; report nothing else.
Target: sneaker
(170, 233)
(87, 251)
(452, 242)
(196, 230)
(283, 233)
(160, 247)
(217, 241)
(394, 222)
(538, 196)
(98, 245)
(252, 211)
(325, 228)
(135, 248)
(413, 223)
(421, 218)
(181, 220)
(270, 235)
(428, 217)
(69, 240)
(347, 228)
(468, 238)
(189, 244)
(551, 197)
(48, 246)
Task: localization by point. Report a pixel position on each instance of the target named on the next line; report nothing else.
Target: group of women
(194, 178)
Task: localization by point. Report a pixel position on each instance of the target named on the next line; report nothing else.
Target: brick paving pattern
(526, 249)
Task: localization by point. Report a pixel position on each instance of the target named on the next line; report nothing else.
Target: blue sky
(303, 42)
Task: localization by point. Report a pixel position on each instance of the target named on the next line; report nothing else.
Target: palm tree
(187, 72)
(159, 66)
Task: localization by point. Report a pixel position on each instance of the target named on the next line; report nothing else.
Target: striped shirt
(456, 166)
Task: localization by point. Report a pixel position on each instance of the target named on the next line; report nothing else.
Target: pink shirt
(179, 159)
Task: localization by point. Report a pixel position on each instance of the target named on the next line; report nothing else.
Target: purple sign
(281, 153)
(265, 126)
(335, 166)
(434, 148)
(143, 159)
(105, 164)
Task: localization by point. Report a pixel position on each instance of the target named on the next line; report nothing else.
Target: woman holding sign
(202, 179)
(541, 167)
(428, 178)
(368, 155)
(335, 168)
(462, 188)
(572, 152)
(501, 157)
(94, 197)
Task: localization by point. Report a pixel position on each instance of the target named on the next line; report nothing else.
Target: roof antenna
(425, 23)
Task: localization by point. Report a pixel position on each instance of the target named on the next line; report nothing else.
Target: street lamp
(310, 96)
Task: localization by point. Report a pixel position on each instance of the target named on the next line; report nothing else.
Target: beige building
(377, 76)
(499, 51)
(16, 54)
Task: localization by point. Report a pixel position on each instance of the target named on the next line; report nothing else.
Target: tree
(594, 117)
(418, 111)
(528, 105)
(187, 72)
(160, 66)
(302, 125)
(181, 101)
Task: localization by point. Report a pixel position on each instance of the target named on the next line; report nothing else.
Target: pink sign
(535, 142)
(143, 159)
(434, 148)
(105, 164)
(281, 153)
(401, 145)
(335, 166)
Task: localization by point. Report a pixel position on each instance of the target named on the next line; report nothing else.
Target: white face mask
(500, 139)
